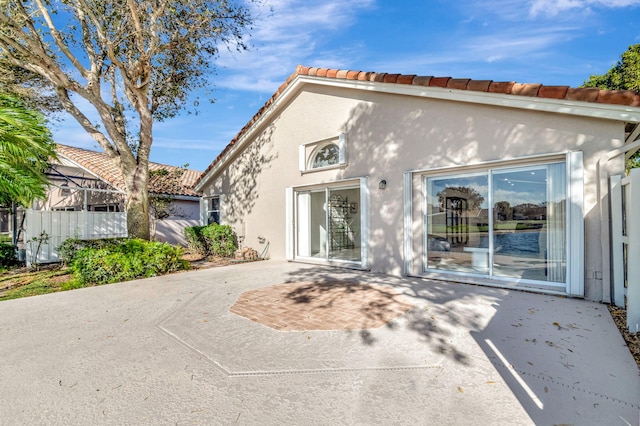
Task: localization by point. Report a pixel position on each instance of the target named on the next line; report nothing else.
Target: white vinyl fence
(625, 223)
(58, 226)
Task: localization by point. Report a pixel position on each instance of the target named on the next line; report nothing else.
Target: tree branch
(86, 124)
(58, 39)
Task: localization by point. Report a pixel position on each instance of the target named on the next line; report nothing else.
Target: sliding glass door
(328, 224)
(457, 223)
(502, 223)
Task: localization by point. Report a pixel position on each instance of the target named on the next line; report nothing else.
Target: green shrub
(7, 255)
(220, 240)
(128, 260)
(195, 239)
(214, 239)
(68, 249)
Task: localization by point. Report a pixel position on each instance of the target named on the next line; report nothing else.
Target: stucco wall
(183, 213)
(388, 134)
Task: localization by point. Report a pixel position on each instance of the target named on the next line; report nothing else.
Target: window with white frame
(329, 223)
(508, 223)
(213, 209)
(323, 154)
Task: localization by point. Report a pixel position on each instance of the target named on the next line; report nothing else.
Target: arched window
(326, 155)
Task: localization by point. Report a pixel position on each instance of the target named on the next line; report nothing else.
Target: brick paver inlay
(306, 306)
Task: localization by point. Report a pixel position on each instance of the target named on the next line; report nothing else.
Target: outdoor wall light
(382, 184)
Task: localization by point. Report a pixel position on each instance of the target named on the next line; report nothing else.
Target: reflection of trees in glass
(503, 210)
(326, 156)
(530, 211)
(473, 197)
(523, 211)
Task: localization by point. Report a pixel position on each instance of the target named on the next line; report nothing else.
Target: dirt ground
(619, 316)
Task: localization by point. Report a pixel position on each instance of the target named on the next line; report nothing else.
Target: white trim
(289, 223)
(354, 182)
(408, 222)
(575, 222)
(633, 251)
(342, 149)
(361, 184)
(508, 162)
(204, 214)
(364, 223)
(177, 197)
(221, 208)
(561, 106)
(617, 245)
(308, 151)
(574, 280)
(203, 211)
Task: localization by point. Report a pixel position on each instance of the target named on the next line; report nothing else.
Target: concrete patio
(169, 350)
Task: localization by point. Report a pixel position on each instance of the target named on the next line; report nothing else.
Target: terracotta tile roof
(612, 97)
(101, 165)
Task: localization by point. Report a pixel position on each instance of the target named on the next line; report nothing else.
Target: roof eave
(622, 113)
(177, 196)
(73, 163)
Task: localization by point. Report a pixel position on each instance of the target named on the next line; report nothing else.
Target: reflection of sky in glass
(520, 187)
(523, 186)
(479, 183)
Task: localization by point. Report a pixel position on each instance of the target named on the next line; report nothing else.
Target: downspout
(605, 221)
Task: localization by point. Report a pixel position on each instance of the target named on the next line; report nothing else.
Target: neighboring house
(497, 183)
(91, 181)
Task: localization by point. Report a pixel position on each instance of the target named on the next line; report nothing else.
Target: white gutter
(178, 197)
(559, 106)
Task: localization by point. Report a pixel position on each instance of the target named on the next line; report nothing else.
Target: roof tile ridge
(537, 90)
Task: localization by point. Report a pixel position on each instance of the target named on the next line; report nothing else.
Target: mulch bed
(619, 316)
(199, 261)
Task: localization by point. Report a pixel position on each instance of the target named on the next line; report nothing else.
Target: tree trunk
(137, 200)
(137, 215)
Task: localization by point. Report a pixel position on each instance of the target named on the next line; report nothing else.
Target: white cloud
(554, 7)
(473, 50)
(292, 34)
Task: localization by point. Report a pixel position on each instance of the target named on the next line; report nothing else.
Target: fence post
(617, 242)
(633, 252)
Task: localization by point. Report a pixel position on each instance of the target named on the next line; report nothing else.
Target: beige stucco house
(83, 179)
(496, 183)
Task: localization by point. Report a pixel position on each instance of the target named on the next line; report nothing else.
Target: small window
(105, 208)
(326, 155)
(4, 221)
(213, 210)
(323, 154)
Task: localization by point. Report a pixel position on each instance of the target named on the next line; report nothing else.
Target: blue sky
(553, 42)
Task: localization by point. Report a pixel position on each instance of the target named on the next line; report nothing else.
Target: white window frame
(204, 208)
(291, 210)
(574, 167)
(308, 151)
